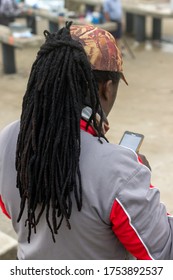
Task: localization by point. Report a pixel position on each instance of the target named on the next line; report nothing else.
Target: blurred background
(144, 106)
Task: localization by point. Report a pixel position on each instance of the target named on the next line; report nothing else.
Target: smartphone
(132, 140)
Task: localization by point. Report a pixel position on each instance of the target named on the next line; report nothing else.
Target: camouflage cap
(100, 47)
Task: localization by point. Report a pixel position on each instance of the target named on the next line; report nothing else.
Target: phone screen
(132, 140)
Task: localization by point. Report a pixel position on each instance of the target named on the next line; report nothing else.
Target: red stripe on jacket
(2, 206)
(90, 129)
(126, 234)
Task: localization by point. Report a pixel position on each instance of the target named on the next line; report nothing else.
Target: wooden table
(10, 43)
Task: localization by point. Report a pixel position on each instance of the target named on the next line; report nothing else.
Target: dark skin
(107, 94)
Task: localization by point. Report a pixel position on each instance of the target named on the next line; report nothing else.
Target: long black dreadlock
(48, 147)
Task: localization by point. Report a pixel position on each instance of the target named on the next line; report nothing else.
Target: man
(8, 11)
(112, 10)
(78, 196)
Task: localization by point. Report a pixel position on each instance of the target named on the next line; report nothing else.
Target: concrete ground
(145, 106)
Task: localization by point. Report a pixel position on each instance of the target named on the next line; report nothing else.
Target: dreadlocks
(48, 147)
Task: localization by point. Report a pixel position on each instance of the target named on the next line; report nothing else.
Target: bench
(10, 43)
(136, 12)
(136, 15)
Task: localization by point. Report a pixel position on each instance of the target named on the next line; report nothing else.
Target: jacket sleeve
(6, 134)
(140, 221)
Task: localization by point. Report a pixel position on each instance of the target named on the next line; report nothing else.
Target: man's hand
(143, 159)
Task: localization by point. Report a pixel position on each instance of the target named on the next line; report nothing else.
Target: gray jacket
(121, 214)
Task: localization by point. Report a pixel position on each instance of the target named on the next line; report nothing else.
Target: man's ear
(107, 95)
(105, 90)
